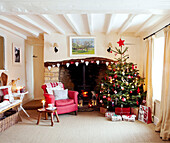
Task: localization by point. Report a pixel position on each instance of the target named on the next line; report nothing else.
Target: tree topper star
(121, 42)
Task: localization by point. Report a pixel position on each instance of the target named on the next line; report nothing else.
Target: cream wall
(14, 71)
(135, 51)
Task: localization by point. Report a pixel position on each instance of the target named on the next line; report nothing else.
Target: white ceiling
(82, 17)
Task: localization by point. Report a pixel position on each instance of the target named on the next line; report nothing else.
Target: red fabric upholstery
(65, 105)
(5, 91)
(44, 88)
(64, 102)
(49, 99)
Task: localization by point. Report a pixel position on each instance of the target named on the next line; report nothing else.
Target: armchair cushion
(60, 94)
(51, 85)
(51, 89)
(64, 102)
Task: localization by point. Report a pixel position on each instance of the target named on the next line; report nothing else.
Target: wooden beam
(29, 20)
(147, 22)
(13, 22)
(126, 23)
(111, 19)
(72, 23)
(90, 23)
(13, 31)
(52, 23)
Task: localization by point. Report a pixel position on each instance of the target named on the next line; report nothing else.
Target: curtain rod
(156, 32)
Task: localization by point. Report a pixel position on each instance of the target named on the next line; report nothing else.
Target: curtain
(148, 72)
(164, 120)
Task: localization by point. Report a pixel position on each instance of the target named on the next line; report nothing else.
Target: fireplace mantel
(72, 61)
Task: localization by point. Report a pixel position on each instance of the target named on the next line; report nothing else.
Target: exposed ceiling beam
(13, 31)
(147, 22)
(29, 20)
(19, 25)
(90, 23)
(52, 23)
(72, 23)
(126, 23)
(150, 22)
(110, 22)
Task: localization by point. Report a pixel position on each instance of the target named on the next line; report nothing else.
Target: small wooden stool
(41, 110)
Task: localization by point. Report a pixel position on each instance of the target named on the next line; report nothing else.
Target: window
(157, 67)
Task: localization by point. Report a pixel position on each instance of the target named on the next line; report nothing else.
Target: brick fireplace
(82, 78)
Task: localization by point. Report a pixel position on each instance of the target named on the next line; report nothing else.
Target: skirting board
(156, 120)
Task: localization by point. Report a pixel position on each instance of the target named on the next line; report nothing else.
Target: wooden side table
(41, 110)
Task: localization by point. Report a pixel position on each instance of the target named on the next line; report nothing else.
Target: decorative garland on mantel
(97, 60)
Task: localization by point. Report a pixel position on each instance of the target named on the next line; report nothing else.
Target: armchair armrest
(73, 95)
(50, 99)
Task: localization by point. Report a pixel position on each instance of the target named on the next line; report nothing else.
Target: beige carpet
(86, 127)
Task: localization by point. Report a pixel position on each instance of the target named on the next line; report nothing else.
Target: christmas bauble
(108, 99)
(123, 99)
(138, 90)
(131, 91)
(115, 76)
(137, 102)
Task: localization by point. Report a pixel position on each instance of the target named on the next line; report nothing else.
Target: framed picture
(82, 46)
(16, 54)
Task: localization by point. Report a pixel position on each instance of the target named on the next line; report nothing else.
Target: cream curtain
(164, 120)
(148, 72)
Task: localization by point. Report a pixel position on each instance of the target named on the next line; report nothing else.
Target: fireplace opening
(84, 79)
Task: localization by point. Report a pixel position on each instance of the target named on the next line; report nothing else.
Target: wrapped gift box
(130, 118)
(116, 118)
(134, 111)
(103, 110)
(144, 114)
(109, 114)
(122, 111)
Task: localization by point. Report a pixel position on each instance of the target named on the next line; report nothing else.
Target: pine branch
(125, 50)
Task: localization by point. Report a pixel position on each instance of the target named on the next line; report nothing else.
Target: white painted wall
(14, 71)
(135, 51)
(29, 72)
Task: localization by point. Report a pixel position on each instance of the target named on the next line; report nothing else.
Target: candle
(43, 102)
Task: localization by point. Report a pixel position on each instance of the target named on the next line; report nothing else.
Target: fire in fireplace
(84, 93)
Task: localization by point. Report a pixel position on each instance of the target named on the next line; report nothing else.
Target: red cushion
(64, 102)
(5, 91)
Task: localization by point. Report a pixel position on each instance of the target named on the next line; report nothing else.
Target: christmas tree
(122, 85)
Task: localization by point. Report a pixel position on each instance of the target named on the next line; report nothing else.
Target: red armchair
(64, 105)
